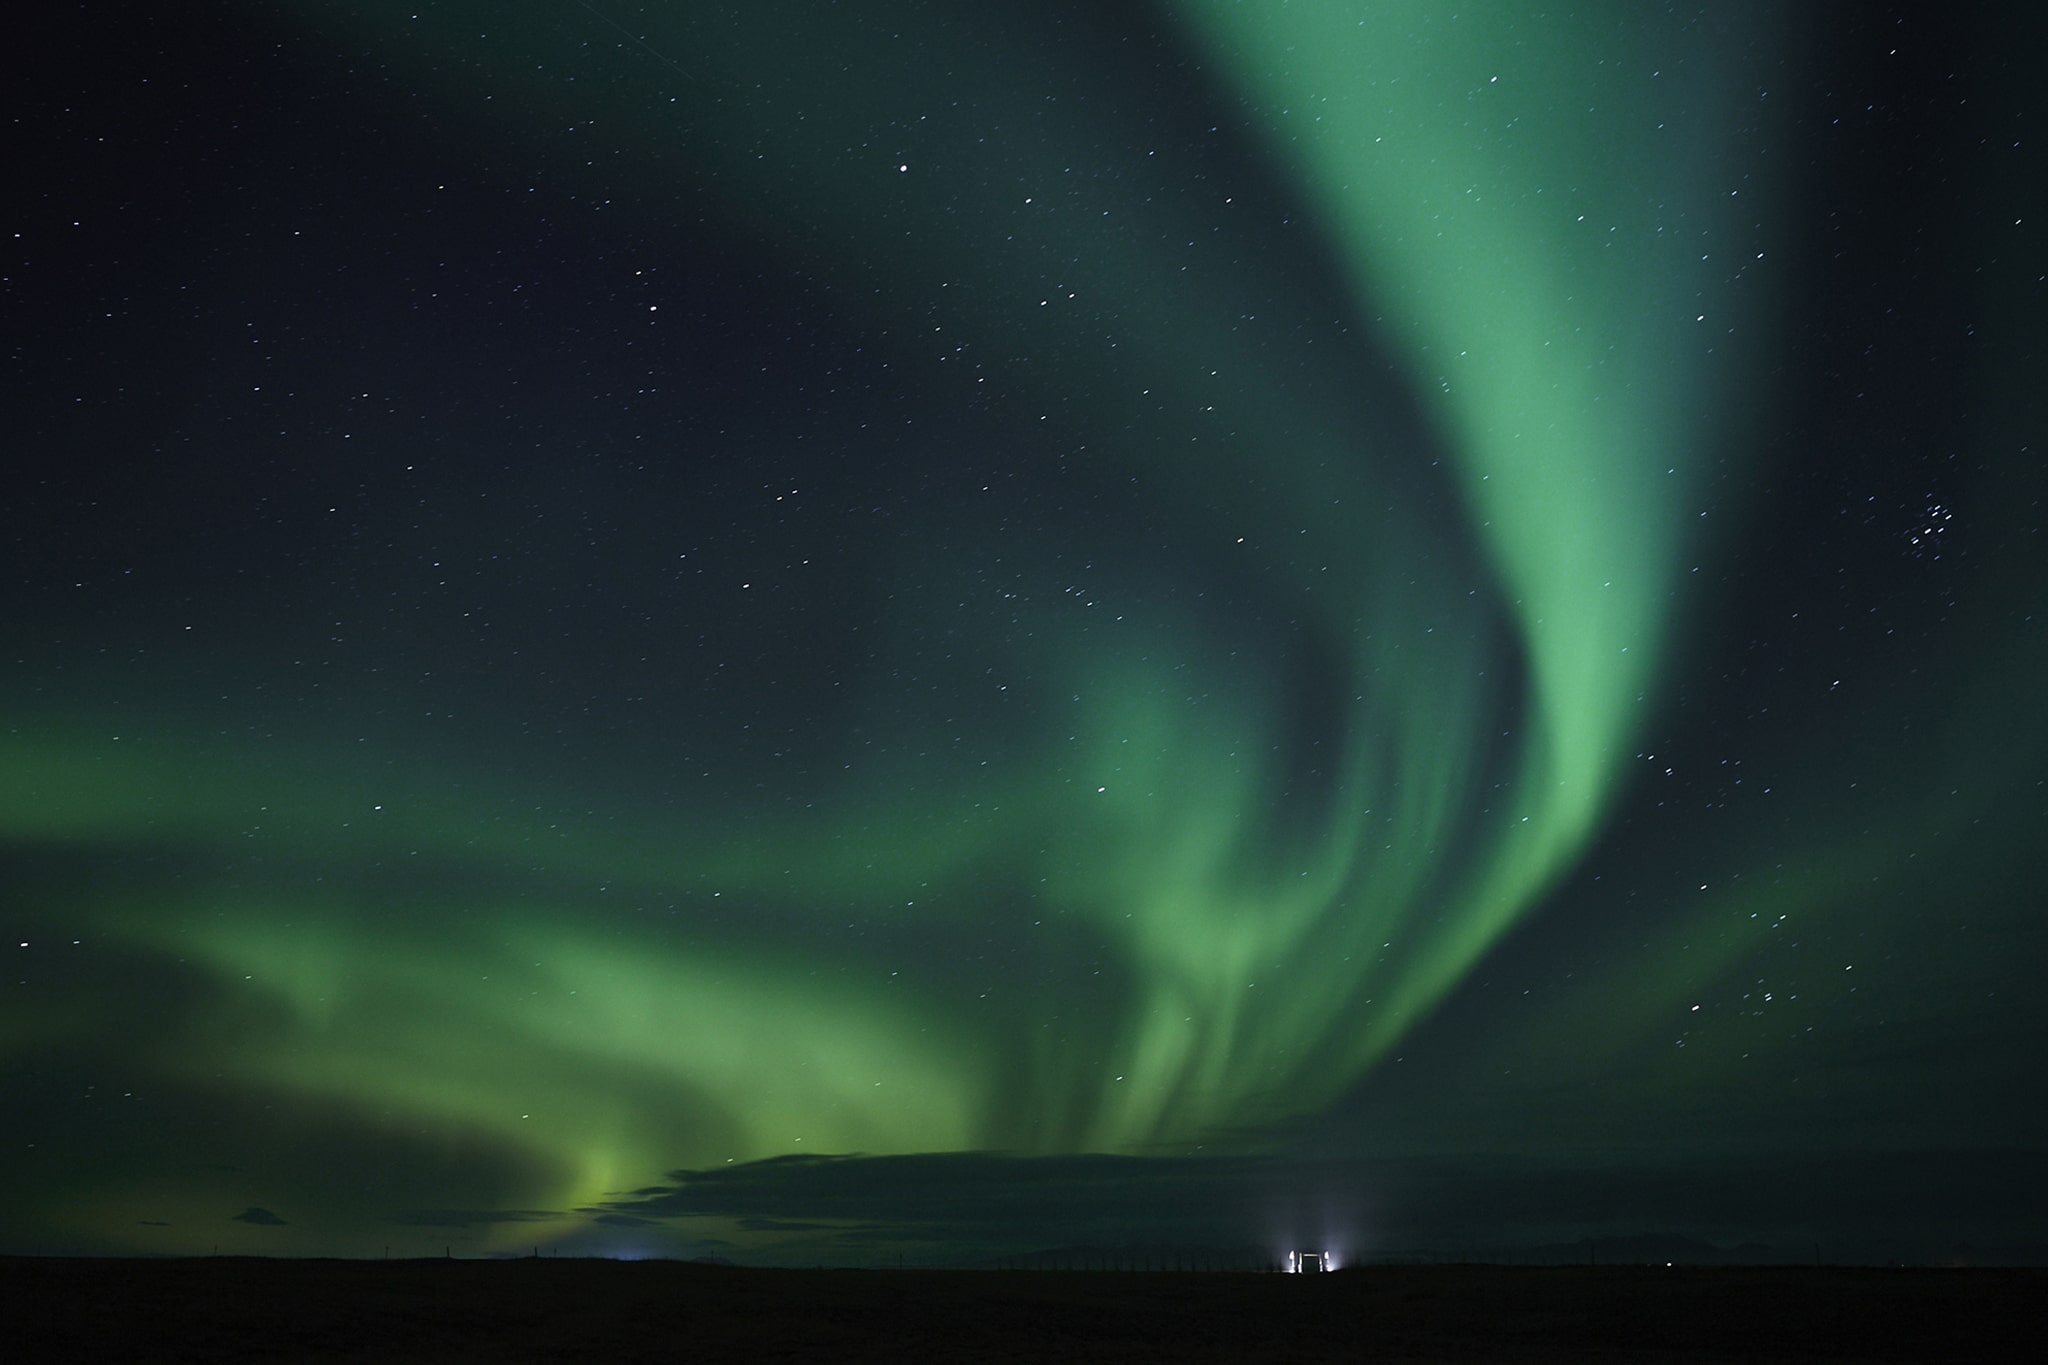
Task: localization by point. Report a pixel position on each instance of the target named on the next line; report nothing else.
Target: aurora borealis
(1421, 595)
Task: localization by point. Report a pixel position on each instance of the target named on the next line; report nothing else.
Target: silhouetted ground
(235, 1309)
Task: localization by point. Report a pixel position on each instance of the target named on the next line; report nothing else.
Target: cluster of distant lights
(1310, 1262)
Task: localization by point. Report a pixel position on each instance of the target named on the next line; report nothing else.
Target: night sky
(842, 632)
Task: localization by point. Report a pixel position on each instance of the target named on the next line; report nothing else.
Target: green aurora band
(1217, 854)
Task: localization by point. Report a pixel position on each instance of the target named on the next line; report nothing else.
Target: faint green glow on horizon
(611, 1051)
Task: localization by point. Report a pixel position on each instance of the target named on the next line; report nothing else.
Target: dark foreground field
(236, 1310)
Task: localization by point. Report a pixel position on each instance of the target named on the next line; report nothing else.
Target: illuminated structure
(1309, 1262)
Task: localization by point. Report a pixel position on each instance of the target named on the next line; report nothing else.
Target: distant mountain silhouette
(1144, 1257)
(1637, 1249)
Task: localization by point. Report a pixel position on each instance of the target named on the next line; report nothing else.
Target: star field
(606, 592)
